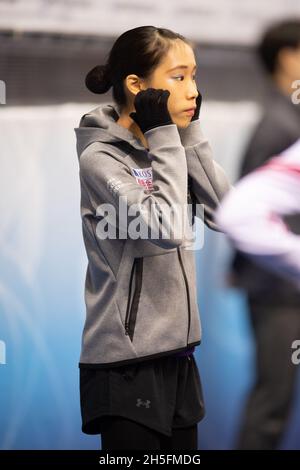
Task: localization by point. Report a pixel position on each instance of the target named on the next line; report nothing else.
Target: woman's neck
(125, 121)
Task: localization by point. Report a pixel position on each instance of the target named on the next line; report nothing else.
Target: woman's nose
(192, 91)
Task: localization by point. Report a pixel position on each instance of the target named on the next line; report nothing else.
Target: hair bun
(98, 80)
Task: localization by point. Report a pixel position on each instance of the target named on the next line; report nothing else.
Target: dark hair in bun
(98, 79)
(138, 51)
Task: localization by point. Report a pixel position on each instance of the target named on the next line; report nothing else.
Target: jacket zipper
(191, 200)
(131, 311)
(187, 292)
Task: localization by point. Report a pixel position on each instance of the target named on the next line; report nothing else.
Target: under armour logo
(140, 402)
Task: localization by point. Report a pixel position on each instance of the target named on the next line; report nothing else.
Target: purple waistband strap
(186, 352)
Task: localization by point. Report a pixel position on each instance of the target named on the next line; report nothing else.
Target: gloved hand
(198, 104)
(151, 109)
(191, 135)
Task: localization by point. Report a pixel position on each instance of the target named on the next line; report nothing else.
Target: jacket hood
(99, 125)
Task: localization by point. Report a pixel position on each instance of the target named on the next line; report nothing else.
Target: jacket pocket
(135, 286)
(157, 310)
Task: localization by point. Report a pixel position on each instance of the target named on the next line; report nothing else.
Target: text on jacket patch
(143, 176)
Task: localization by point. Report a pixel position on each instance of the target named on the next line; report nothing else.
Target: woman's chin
(183, 122)
(183, 125)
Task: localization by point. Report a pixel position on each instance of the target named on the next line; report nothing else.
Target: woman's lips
(190, 112)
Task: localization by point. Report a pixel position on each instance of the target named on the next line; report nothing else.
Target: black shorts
(161, 393)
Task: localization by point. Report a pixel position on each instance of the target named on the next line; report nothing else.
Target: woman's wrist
(163, 136)
(192, 134)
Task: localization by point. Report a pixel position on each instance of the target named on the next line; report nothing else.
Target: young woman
(139, 383)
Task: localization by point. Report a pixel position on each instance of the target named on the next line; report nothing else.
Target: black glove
(151, 109)
(198, 104)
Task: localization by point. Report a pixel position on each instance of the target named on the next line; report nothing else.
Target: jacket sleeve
(208, 180)
(110, 185)
(251, 215)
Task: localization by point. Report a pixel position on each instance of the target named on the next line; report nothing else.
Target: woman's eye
(182, 77)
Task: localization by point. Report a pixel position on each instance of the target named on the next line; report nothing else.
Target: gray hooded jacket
(140, 293)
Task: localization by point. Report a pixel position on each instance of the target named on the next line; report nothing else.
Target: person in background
(260, 231)
(273, 302)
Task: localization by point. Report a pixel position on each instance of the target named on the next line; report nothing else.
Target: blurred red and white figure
(251, 214)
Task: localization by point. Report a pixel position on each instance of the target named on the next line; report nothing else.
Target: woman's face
(177, 73)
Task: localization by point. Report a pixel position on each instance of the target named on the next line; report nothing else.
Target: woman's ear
(134, 84)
